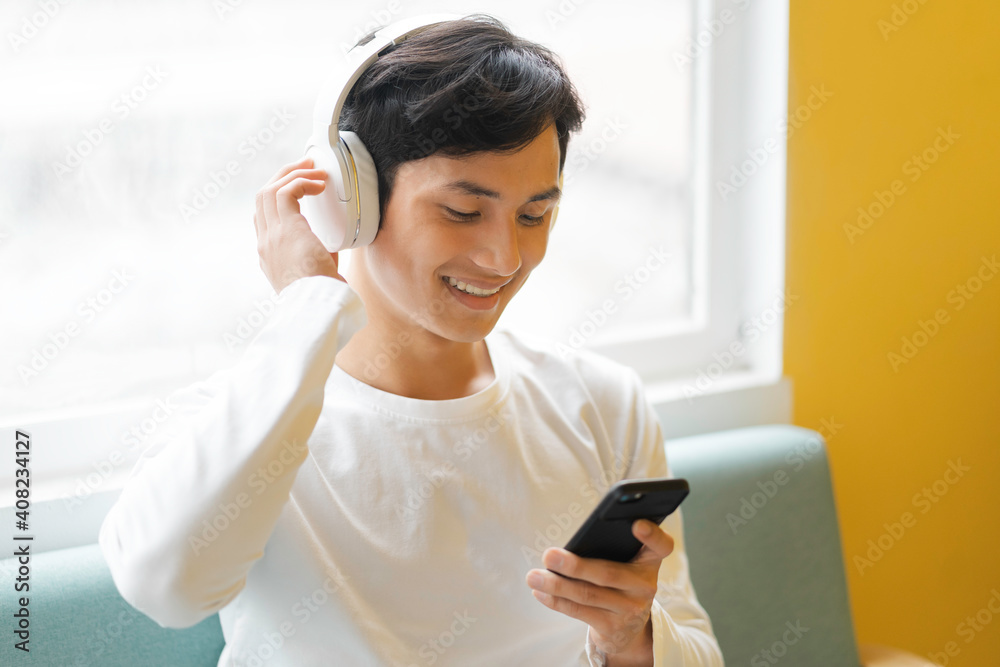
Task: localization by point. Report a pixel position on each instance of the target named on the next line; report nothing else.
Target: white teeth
(470, 289)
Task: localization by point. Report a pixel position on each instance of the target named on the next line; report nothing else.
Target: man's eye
(461, 216)
(531, 220)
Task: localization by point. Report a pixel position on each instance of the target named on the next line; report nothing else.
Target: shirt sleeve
(206, 493)
(682, 630)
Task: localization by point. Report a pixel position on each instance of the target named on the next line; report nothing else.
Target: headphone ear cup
(364, 178)
(326, 212)
(350, 196)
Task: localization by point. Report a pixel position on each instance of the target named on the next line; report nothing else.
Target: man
(381, 480)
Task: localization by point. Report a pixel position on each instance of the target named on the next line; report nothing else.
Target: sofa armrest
(78, 617)
(763, 543)
(877, 655)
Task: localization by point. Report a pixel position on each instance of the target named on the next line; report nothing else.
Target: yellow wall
(901, 427)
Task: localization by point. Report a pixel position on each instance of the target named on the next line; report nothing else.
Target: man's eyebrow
(470, 188)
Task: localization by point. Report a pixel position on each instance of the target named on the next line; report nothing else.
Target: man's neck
(424, 367)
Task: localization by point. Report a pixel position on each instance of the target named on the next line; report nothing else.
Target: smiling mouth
(471, 289)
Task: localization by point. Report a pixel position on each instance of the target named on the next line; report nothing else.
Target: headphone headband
(334, 93)
(346, 214)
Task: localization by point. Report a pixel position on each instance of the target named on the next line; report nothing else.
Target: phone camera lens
(630, 497)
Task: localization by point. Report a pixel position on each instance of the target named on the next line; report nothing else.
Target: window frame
(741, 97)
(740, 100)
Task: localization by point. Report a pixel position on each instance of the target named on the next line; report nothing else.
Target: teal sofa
(762, 539)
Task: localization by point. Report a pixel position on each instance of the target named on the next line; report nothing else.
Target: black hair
(457, 88)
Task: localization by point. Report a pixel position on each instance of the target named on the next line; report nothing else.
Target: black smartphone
(607, 532)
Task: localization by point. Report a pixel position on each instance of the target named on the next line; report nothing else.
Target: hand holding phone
(604, 537)
(607, 532)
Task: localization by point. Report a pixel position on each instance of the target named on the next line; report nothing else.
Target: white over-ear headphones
(346, 214)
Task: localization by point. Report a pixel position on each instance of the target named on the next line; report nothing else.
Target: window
(135, 136)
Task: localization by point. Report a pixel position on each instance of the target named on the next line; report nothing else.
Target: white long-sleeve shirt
(332, 523)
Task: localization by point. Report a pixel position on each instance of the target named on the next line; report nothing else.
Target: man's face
(402, 275)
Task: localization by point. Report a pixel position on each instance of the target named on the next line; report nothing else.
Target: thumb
(656, 544)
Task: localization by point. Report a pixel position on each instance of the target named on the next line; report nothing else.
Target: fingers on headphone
(299, 186)
(289, 176)
(268, 194)
(288, 195)
(274, 202)
(303, 162)
(316, 175)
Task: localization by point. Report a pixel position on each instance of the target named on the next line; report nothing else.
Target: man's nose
(501, 246)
